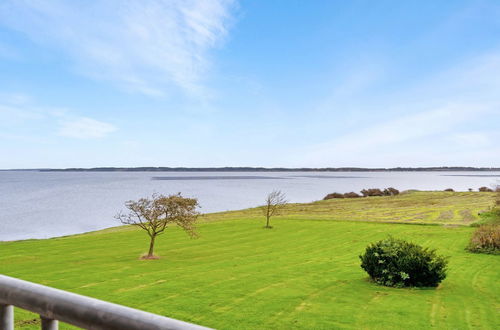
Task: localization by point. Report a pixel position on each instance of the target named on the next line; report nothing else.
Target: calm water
(48, 204)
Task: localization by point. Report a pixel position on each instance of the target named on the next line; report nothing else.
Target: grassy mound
(303, 274)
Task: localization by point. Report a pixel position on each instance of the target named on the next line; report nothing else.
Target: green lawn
(300, 274)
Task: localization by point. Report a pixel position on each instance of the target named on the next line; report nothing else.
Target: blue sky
(249, 83)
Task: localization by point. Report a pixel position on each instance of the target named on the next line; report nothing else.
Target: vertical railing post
(6, 317)
(49, 324)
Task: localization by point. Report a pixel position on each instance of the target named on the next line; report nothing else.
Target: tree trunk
(267, 222)
(151, 246)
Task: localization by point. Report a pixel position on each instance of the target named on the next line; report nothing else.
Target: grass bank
(418, 207)
(301, 274)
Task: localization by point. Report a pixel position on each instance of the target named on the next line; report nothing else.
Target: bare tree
(275, 202)
(155, 214)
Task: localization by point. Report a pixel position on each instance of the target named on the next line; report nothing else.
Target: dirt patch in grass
(146, 257)
(467, 216)
(446, 215)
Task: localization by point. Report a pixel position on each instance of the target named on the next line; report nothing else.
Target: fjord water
(47, 204)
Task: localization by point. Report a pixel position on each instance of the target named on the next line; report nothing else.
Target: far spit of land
(266, 169)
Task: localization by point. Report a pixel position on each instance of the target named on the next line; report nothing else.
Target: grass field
(420, 207)
(301, 274)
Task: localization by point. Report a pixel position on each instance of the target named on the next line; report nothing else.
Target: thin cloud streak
(406, 128)
(144, 46)
(435, 128)
(85, 128)
(17, 109)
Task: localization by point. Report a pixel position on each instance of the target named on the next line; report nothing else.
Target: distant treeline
(268, 169)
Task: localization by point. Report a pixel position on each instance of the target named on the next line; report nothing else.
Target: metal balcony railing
(55, 305)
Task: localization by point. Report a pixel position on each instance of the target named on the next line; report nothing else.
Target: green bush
(397, 263)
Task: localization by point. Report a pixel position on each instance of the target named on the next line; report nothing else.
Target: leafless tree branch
(275, 202)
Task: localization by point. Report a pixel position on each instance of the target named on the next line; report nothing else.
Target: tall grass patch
(486, 239)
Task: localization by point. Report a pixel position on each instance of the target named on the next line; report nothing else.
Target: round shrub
(398, 263)
(351, 194)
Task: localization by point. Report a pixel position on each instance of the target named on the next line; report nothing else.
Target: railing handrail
(81, 311)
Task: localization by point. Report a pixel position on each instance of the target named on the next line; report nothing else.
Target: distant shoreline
(264, 169)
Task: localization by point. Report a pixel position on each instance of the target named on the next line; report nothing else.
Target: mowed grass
(302, 274)
(421, 207)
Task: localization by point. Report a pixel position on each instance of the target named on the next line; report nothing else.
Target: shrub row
(481, 189)
(364, 193)
(377, 192)
(392, 192)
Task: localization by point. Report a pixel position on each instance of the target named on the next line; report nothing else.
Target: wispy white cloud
(428, 124)
(15, 98)
(405, 128)
(145, 46)
(474, 139)
(405, 140)
(18, 113)
(16, 107)
(85, 128)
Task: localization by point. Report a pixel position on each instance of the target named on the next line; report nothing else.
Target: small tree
(275, 202)
(154, 214)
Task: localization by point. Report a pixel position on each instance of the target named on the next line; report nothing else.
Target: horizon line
(252, 168)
